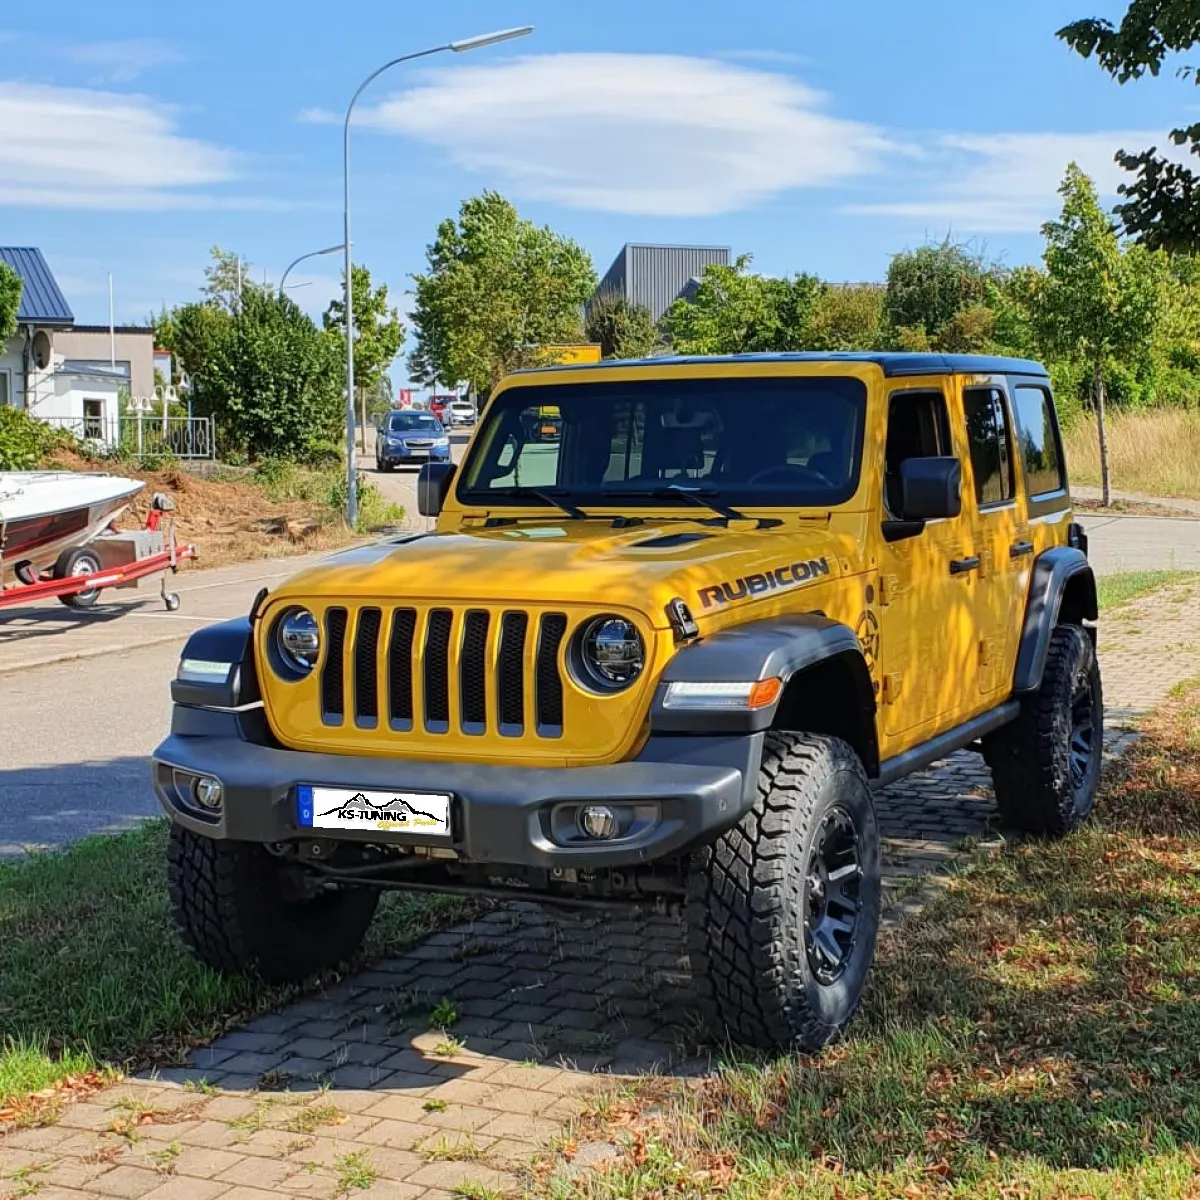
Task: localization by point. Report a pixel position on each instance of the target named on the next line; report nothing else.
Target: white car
(460, 412)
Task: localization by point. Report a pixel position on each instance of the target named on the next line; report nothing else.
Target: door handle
(1020, 549)
(960, 566)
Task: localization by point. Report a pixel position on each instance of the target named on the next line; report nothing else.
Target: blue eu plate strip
(304, 805)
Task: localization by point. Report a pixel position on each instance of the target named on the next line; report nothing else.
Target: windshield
(408, 421)
(777, 441)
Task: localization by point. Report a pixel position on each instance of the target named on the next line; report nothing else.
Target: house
(69, 375)
(657, 276)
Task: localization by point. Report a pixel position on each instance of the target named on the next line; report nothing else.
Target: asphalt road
(84, 697)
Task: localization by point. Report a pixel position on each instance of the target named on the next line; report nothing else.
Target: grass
(444, 1014)
(1034, 1035)
(354, 1172)
(1114, 590)
(93, 978)
(1155, 452)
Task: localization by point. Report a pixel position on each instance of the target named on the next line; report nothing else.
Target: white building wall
(12, 389)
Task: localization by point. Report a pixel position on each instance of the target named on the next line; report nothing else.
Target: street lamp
(298, 261)
(471, 43)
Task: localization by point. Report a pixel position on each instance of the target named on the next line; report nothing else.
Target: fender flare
(778, 647)
(1053, 571)
(229, 642)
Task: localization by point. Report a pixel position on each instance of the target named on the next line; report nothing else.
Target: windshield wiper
(547, 496)
(693, 495)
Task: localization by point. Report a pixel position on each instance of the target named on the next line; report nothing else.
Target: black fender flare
(227, 642)
(778, 647)
(1053, 572)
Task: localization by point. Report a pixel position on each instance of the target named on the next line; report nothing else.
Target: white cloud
(633, 133)
(1006, 182)
(71, 148)
(123, 60)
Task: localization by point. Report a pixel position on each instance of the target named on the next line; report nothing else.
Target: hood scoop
(665, 541)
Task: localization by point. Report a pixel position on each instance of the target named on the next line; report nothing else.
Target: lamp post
(296, 262)
(472, 43)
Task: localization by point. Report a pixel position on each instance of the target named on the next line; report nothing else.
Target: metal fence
(142, 435)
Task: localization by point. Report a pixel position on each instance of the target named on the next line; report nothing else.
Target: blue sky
(819, 137)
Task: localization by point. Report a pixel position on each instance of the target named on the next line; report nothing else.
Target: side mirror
(433, 485)
(930, 488)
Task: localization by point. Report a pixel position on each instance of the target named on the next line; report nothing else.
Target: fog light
(597, 821)
(208, 791)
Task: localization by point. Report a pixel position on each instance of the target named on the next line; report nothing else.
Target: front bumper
(696, 786)
(420, 454)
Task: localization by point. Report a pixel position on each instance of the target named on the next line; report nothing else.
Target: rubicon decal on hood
(769, 581)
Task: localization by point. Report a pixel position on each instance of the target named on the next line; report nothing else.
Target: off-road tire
(78, 560)
(1036, 789)
(748, 901)
(229, 903)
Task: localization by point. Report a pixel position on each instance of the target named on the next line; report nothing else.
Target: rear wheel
(241, 909)
(783, 909)
(1046, 764)
(77, 562)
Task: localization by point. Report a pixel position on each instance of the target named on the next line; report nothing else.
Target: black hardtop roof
(893, 364)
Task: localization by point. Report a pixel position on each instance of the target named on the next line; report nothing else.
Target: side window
(991, 445)
(1037, 430)
(918, 427)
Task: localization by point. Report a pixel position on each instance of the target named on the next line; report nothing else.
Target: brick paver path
(352, 1088)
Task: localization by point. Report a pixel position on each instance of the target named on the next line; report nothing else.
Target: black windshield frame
(745, 416)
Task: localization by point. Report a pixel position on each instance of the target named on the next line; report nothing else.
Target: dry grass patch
(1155, 452)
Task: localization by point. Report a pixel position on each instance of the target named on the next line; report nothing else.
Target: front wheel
(242, 910)
(783, 908)
(77, 562)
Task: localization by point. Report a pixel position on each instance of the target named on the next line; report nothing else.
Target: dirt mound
(227, 520)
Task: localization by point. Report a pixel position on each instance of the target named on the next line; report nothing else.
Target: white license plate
(425, 814)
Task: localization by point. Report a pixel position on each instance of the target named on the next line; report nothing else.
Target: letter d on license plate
(422, 813)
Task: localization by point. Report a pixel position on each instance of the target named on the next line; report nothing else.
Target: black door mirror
(433, 485)
(930, 488)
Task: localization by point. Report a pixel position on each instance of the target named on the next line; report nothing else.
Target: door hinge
(889, 589)
(985, 651)
(891, 687)
(985, 563)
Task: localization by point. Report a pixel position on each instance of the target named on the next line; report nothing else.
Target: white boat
(43, 513)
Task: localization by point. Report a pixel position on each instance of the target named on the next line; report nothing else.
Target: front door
(928, 654)
(1000, 532)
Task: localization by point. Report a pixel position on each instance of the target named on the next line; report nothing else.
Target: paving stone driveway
(351, 1089)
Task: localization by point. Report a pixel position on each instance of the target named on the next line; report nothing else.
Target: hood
(643, 567)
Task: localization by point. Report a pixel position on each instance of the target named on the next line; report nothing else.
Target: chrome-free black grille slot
(510, 684)
(366, 668)
(437, 671)
(472, 672)
(333, 697)
(548, 683)
(400, 680)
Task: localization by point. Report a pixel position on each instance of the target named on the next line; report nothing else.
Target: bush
(25, 441)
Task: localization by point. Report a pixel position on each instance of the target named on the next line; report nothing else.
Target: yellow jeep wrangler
(663, 659)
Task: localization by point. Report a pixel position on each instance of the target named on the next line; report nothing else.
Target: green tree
(734, 311)
(496, 291)
(1098, 304)
(269, 377)
(378, 334)
(227, 279)
(1162, 203)
(929, 287)
(10, 300)
(623, 330)
(848, 317)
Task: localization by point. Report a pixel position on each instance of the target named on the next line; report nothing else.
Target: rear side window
(1038, 434)
(991, 445)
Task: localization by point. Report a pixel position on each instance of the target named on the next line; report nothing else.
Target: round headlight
(611, 652)
(298, 640)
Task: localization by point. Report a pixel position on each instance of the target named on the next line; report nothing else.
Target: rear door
(997, 517)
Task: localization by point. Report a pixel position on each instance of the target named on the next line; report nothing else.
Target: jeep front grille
(442, 670)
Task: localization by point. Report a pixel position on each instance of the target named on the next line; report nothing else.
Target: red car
(439, 404)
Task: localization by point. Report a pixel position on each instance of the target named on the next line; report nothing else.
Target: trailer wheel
(78, 561)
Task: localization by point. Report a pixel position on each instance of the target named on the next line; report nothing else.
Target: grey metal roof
(42, 303)
(656, 276)
(893, 364)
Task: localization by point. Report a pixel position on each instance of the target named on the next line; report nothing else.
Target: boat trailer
(112, 560)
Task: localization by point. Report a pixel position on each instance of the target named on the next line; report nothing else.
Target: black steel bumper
(693, 788)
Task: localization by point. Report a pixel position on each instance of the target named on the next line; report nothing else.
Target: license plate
(424, 814)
